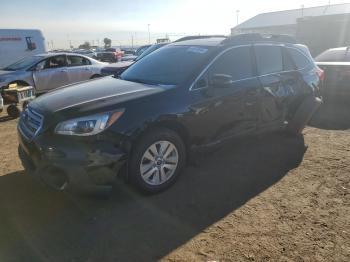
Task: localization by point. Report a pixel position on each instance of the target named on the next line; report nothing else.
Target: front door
(231, 108)
(50, 74)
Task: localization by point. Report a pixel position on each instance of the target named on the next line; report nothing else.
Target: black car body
(182, 98)
(336, 65)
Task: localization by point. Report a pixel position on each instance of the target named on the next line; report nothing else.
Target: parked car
(109, 57)
(185, 97)
(16, 44)
(336, 64)
(117, 69)
(118, 53)
(50, 70)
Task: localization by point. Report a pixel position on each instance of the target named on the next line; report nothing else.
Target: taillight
(320, 73)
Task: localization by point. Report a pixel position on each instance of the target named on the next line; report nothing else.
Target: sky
(75, 21)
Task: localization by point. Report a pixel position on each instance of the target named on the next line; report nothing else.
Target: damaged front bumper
(71, 164)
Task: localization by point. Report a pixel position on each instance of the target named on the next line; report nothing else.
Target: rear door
(78, 68)
(51, 73)
(230, 110)
(274, 85)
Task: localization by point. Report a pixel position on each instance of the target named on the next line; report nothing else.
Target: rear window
(334, 56)
(300, 60)
(269, 59)
(77, 61)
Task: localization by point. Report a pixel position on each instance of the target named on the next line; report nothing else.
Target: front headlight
(88, 125)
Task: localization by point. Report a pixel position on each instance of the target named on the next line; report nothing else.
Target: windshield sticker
(195, 49)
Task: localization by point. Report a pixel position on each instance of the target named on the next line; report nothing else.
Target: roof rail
(259, 38)
(193, 37)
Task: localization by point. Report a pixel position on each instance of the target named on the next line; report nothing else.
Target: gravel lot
(272, 198)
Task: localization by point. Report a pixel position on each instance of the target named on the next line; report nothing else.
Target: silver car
(48, 71)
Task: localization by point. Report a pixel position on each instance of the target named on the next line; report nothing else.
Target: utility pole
(149, 35)
(237, 15)
(302, 10)
(132, 41)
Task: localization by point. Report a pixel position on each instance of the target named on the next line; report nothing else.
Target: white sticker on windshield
(195, 49)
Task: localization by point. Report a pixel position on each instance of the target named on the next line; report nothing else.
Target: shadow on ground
(5, 118)
(38, 224)
(334, 114)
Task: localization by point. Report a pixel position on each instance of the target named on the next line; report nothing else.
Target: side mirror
(221, 80)
(38, 67)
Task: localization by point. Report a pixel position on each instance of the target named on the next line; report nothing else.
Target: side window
(299, 59)
(236, 63)
(269, 59)
(41, 65)
(77, 61)
(56, 62)
(288, 64)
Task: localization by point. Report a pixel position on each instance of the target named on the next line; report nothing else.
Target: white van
(18, 43)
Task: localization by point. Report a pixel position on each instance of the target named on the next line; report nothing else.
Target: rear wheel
(13, 111)
(157, 160)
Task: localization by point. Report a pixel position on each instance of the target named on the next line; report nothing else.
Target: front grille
(30, 123)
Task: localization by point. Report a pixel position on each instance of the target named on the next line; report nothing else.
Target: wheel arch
(95, 76)
(172, 125)
(24, 83)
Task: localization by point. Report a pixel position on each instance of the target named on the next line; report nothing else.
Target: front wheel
(157, 160)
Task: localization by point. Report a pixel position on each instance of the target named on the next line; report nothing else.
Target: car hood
(92, 95)
(6, 73)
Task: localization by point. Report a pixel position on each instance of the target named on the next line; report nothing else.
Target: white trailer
(18, 43)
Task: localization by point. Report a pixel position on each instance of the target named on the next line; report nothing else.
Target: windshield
(23, 63)
(149, 50)
(340, 55)
(167, 66)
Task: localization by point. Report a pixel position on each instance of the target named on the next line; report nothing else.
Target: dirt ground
(272, 198)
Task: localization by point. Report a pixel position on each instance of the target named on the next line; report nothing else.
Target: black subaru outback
(181, 98)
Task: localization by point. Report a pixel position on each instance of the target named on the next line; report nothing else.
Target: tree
(86, 45)
(108, 42)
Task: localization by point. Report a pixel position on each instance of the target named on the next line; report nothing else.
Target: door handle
(64, 70)
(249, 103)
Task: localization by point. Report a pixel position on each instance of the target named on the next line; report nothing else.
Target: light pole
(237, 15)
(302, 10)
(149, 35)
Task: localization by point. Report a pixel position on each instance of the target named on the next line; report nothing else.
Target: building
(319, 27)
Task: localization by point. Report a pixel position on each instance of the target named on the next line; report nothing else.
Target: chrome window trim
(257, 76)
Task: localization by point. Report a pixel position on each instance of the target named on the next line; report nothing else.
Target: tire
(158, 177)
(303, 115)
(13, 111)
